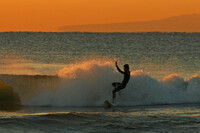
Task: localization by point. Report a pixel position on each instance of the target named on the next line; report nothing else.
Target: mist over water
(89, 84)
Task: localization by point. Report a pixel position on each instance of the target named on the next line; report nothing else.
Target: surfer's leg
(115, 84)
(120, 87)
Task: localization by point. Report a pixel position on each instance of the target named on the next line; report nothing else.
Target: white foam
(89, 84)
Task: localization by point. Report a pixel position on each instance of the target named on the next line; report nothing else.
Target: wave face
(9, 99)
(89, 84)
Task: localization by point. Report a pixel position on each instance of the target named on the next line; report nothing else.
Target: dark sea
(63, 79)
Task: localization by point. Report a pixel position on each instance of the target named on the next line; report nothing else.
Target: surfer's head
(126, 67)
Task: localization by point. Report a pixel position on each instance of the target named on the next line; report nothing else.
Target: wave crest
(89, 84)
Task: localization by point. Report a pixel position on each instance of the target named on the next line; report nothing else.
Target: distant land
(183, 23)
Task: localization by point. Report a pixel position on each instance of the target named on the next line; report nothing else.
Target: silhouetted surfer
(119, 86)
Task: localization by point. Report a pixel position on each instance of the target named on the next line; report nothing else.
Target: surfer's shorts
(118, 86)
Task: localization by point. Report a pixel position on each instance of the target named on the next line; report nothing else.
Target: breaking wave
(89, 84)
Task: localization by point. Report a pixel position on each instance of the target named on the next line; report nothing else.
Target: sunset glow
(49, 15)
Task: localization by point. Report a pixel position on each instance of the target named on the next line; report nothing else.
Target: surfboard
(108, 104)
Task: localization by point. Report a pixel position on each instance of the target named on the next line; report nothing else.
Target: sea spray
(89, 84)
(84, 84)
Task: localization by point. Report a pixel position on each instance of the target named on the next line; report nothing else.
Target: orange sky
(49, 15)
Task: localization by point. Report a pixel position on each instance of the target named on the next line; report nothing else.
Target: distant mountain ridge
(183, 23)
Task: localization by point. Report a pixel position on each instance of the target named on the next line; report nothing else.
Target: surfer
(119, 86)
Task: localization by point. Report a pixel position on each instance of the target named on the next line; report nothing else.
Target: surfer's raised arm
(119, 68)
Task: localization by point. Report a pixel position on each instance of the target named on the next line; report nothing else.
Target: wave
(89, 84)
(8, 97)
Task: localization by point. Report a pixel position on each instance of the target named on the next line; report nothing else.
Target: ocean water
(62, 80)
(160, 54)
(168, 118)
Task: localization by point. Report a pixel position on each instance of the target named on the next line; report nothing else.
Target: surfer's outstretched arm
(119, 68)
